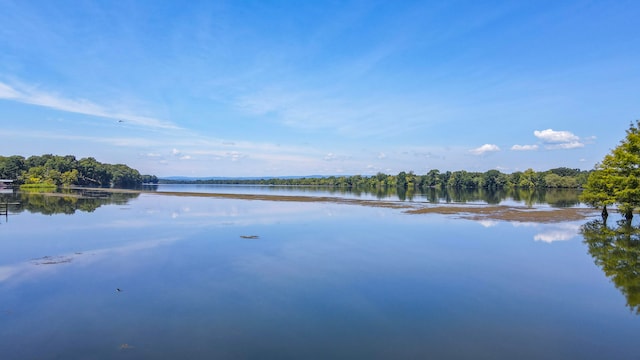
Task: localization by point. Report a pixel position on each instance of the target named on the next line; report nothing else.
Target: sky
(280, 88)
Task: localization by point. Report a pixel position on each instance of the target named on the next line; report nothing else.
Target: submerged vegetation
(50, 171)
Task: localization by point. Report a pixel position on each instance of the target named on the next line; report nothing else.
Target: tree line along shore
(493, 179)
(55, 170)
(61, 171)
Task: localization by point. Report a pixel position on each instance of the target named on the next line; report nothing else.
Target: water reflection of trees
(67, 202)
(530, 197)
(89, 200)
(616, 250)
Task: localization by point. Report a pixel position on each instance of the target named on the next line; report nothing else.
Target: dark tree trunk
(605, 213)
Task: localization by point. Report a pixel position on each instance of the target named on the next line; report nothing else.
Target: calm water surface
(537, 197)
(321, 280)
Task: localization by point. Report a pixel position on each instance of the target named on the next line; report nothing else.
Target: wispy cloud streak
(79, 106)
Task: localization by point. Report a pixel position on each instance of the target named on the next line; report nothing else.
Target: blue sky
(269, 88)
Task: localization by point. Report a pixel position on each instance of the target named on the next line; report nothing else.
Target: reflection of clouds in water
(550, 233)
(219, 213)
(525, 224)
(36, 267)
(488, 223)
(253, 213)
(560, 233)
(124, 224)
(177, 213)
(131, 222)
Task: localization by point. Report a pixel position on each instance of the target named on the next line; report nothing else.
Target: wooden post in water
(5, 211)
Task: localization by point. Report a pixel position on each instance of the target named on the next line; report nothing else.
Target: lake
(528, 197)
(152, 276)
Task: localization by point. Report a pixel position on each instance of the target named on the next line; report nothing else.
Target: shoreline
(463, 211)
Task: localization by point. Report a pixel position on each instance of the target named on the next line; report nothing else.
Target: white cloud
(484, 149)
(382, 155)
(558, 139)
(29, 95)
(554, 137)
(524, 147)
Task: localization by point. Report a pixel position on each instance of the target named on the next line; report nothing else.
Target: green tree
(149, 179)
(514, 179)
(401, 179)
(616, 180)
(553, 180)
(35, 160)
(493, 179)
(411, 180)
(11, 167)
(35, 175)
(456, 179)
(93, 173)
(69, 178)
(61, 163)
(54, 177)
(433, 178)
(443, 178)
(124, 176)
(527, 179)
(563, 171)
